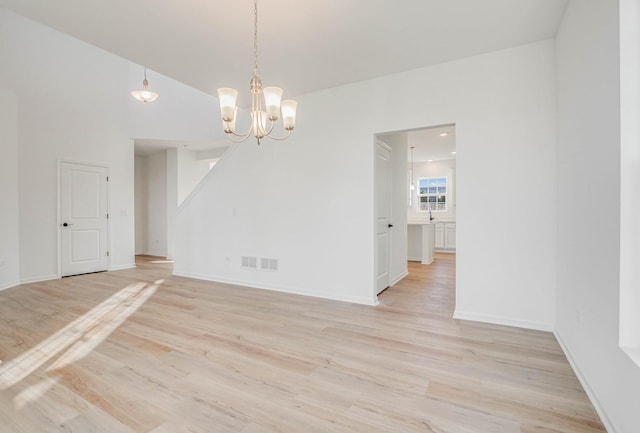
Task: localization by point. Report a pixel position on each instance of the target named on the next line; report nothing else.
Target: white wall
(74, 105)
(435, 169)
(9, 223)
(162, 180)
(588, 250)
(180, 112)
(141, 193)
(151, 174)
(191, 171)
(309, 200)
(59, 120)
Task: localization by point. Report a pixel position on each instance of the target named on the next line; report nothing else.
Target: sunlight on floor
(79, 338)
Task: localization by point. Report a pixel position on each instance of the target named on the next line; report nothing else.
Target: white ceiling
(436, 143)
(304, 45)
(430, 145)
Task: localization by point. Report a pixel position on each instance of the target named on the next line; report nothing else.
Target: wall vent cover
(269, 264)
(249, 262)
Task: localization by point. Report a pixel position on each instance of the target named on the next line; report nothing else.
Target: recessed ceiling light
(444, 134)
(453, 153)
(429, 160)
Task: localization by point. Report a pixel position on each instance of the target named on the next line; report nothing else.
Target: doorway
(83, 216)
(423, 182)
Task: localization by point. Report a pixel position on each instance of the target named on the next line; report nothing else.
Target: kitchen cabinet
(445, 234)
(450, 236)
(440, 236)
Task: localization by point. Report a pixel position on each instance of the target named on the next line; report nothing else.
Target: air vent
(269, 264)
(249, 262)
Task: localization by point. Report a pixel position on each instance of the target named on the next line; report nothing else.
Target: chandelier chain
(255, 37)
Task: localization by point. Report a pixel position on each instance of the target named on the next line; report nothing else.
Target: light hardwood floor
(142, 351)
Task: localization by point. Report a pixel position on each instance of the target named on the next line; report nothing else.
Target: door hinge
(107, 216)
(107, 178)
(107, 253)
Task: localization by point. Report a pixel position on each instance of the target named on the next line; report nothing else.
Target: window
(432, 194)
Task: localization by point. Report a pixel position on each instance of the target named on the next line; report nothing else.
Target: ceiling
(303, 46)
(431, 144)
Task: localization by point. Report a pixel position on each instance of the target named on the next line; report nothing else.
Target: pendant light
(144, 94)
(411, 185)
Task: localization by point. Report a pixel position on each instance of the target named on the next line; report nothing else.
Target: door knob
(65, 224)
(390, 225)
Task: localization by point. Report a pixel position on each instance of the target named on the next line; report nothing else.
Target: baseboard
(410, 259)
(38, 279)
(255, 285)
(585, 385)
(152, 254)
(121, 267)
(9, 285)
(500, 320)
(398, 278)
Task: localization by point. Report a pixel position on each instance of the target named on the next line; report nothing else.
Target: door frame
(58, 209)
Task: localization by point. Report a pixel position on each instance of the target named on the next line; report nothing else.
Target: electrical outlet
(578, 316)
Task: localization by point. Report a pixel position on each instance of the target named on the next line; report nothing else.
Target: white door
(83, 219)
(383, 215)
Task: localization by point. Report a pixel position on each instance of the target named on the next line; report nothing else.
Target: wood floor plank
(142, 351)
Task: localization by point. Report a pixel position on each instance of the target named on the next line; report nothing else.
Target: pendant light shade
(144, 94)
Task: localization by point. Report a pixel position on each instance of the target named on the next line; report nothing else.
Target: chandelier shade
(267, 105)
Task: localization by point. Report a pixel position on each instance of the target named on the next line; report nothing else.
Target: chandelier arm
(243, 136)
(284, 137)
(270, 129)
(230, 136)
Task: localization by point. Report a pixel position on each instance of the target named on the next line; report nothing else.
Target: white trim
(274, 288)
(501, 320)
(442, 250)
(156, 254)
(39, 279)
(585, 385)
(9, 285)
(121, 267)
(398, 278)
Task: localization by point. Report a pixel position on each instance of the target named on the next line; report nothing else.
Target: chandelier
(145, 95)
(266, 104)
